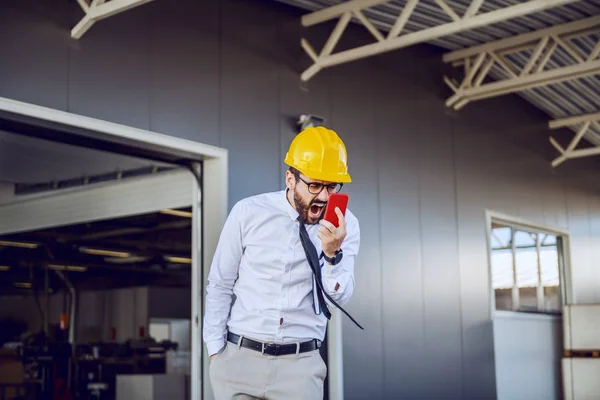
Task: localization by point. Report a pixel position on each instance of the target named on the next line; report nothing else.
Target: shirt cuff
(214, 346)
(329, 269)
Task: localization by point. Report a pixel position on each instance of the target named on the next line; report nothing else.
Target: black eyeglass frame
(335, 187)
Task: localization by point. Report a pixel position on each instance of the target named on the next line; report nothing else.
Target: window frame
(564, 270)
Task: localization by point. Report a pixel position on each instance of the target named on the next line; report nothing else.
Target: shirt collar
(287, 207)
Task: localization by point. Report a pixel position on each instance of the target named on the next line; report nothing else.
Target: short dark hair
(295, 172)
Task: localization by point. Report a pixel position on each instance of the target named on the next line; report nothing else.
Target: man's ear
(290, 180)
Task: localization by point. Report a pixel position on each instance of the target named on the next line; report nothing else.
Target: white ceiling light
(103, 252)
(178, 260)
(126, 260)
(19, 244)
(177, 213)
(74, 268)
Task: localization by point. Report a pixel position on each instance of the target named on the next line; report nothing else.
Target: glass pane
(549, 263)
(527, 267)
(501, 237)
(552, 298)
(549, 240)
(528, 298)
(550, 278)
(502, 269)
(527, 277)
(504, 299)
(525, 239)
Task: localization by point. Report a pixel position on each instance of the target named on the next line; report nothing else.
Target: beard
(311, 211)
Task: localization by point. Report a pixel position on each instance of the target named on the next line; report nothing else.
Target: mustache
(318, 203)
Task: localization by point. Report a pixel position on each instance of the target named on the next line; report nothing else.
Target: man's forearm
(218, 307)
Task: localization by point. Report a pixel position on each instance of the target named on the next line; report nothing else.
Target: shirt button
(280, 321)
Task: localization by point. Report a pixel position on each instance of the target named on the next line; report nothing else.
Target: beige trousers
(240, 373)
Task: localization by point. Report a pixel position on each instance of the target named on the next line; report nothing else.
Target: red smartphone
(339, 200)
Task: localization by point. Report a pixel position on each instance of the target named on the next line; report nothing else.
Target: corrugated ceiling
(559, 100)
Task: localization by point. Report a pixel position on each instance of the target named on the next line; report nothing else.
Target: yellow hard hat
(320, 154)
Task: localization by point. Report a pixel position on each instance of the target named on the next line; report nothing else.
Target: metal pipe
(73, 304)
(47, 295)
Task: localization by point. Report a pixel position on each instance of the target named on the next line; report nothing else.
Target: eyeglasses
(317, 188)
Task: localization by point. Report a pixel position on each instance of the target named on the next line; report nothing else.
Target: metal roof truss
(100, 9)
(394, 40)
(536, 48)
(582, 124)
(552, 67)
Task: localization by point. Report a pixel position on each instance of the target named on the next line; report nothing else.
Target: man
(266, 344)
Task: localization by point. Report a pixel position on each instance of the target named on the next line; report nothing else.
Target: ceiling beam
(99, 10)
(570, 121)
(396, 41)
(465, 94)
(527, 38)
(582, 124)
(329, 13)
(516, 76)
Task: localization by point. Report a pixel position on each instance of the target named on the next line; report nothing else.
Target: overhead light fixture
(310, 121)
(102, 252)
(126, 260)
(19, 244)
(74, 268)
(178, 260)
(23, 285)
(4, 268)
(177, 213)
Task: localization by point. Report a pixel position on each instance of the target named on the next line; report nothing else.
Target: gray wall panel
(402, 279)
(441, 286)
(249, 102)
(594, 204)
(184, 74)
(581, 252)
(109, 69)
(34, 45)
(471, 154)
(226, 72)
(353, 115)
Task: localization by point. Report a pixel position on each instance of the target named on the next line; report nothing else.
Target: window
(526, 268)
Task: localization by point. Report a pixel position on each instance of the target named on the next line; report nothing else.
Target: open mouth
(315, 210)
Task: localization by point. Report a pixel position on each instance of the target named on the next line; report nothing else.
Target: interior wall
(227, 73)
(126, 310)
(7, 191)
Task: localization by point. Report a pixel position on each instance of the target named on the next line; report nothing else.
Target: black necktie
(313, 260)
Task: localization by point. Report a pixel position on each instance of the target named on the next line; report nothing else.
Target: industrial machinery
(54, 370)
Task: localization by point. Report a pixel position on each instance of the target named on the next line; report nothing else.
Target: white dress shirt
(261, 261)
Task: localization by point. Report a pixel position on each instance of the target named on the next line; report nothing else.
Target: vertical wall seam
(279, 115)
(380, 242)
(150, 69)
(68, 83)
(460, 299)
(590, 240)
(421, 247)
(220, 72)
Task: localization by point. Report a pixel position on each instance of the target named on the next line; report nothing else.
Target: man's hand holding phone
(332, 231)
(332, 237)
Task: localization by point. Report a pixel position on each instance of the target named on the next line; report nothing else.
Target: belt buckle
(270, 345)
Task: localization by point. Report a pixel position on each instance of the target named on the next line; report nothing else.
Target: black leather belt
(274, 349)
